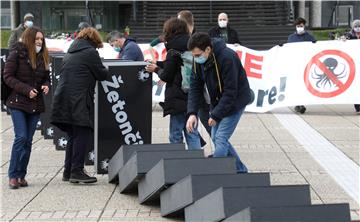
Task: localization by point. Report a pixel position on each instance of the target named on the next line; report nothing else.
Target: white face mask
(38, 49)
(357, 29)
(29, 24)
(222, 24)
(300, 30)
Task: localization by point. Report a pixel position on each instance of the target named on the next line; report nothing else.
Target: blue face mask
(117, 49)
(201, 59)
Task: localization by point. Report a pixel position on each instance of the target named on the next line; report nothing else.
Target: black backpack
(5, 89)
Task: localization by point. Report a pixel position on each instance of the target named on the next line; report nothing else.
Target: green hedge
(5, 35)
(324, 34)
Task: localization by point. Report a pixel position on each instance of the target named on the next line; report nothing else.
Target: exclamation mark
(282, 88)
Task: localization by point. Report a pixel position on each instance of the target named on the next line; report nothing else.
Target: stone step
(170, 171)
(142, 161)
(227, 201)
(193, 187)
(318, 213)
(126, 151)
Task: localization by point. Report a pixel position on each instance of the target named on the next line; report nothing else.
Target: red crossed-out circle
(341, 85)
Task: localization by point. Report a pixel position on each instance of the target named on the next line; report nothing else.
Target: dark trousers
(79, 138)
(24, 128)
(357, 107)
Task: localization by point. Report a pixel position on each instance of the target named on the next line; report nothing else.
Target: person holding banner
(27, 74)
(176, 34)
(300, 36)
(219, 70)
(224, 31)
(73, 102)
(355, 34)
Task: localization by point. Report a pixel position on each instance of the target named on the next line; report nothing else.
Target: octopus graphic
(50, 131)
(323, 80)
(62, 142)
(143, 75)
(91, 156)
(104, 164)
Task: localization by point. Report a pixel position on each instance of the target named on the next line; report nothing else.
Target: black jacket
(73, 102)
(22, 78)
(175, 98)
(232, 34)
(229, 89)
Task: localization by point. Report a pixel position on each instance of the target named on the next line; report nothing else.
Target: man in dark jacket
(126, 46)
(73, 102)
(16, 33)
(300, 36)
(219, 69)
(222, 30)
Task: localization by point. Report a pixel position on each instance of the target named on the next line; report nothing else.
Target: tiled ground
(263, 143)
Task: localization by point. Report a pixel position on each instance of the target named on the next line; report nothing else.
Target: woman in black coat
(176, 34)
(27, 74)
(73, 106)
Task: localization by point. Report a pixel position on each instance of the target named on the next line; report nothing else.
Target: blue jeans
(220, 135)
(24, 129)
(178, 127)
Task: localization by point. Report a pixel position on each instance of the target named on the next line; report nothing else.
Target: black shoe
(300, 109)
(81, 177)
(66, 176)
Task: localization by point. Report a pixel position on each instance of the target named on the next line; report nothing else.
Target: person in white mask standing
(224, 31)
(300, 35)
(16, 33)
(355, 34)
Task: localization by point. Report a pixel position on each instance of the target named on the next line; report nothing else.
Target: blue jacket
(228, 89)
(131, 51)
(306, 37)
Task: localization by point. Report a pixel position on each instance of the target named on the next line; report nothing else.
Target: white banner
(325, 72)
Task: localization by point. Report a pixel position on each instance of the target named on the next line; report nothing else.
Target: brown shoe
(22, 183)
(13, 184)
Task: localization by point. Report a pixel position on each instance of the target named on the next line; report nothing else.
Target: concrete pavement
(262, 140)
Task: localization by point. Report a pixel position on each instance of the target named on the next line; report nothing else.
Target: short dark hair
(113, 35)
(173, 27)
(199, 40)
(299, 20)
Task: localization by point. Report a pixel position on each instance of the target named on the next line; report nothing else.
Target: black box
(193, 187)
(123, 110)
(226, 201)
(142, 161)
(126, 151)
(170, 171)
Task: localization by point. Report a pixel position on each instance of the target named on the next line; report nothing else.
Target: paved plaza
(280, 142)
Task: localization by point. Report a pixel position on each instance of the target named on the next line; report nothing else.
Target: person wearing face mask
(26, 72)
(300, 35)
(16, 33)
(125, 46)
(219, 70)
(224, 31)
(354, 34)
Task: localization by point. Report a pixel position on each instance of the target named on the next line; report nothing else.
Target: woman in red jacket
(27, 73)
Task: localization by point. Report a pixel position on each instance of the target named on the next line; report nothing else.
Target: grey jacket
(15, 35)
